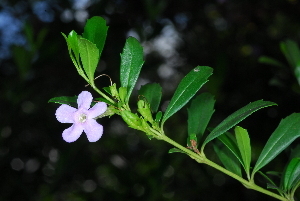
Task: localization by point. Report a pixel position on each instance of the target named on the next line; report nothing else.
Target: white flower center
(82, 118)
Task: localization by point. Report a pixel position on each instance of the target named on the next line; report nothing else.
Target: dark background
(228, 35)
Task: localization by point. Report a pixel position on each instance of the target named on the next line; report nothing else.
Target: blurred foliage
(230, 36)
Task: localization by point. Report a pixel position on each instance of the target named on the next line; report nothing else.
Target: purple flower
(82, 118)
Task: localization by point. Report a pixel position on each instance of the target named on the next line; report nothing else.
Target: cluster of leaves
(234, 151)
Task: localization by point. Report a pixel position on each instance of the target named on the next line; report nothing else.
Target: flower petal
(84, 100)
(65, 113)
(72, 133)
(97, 109)
(93, 130)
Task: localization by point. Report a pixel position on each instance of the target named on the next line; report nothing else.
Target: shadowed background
(228, 35)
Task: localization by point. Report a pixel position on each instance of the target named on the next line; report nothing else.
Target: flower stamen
(82, 118)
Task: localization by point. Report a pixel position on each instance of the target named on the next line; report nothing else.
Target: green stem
(102, 94)
(200, 158)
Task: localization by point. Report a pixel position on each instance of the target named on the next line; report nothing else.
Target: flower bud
(144, 110)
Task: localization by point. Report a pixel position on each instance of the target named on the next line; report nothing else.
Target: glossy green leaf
(229, 161)
(152, 92)
(72, 41)
(235, 118)
(199, 114)
(230, 142)
(89, 55)
(186, 89)
(131, 64)
(243, 142)
(286, 132)
(72, 101)
(95, 31)
(73, 48)
(291, 175)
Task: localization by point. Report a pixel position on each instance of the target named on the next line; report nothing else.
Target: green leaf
(235, 118)
(132, 119)
(131, 64)
(73, 44)
(73, 48)
(107, 90)
(270, 61)
(272, 186)
(199, 114)
(192, 136)
(145, 111)
(103, 100)
(152, 92)
(186, 89)
(174, 150)
(22, 58)
(89, 55)
(291, 51)
(72, 101)
(243, 142)
(230, 142)
(95, 31)
(158, 116)
(267, 178)
(229, 161)
(122, 93)
(295, 152)
(286, 132)
(291, 175)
